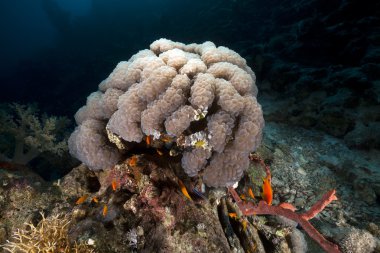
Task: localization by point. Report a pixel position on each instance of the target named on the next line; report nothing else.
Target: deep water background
(317, 62)
(57, 52)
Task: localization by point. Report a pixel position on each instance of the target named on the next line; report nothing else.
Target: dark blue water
(60, 50)
(55, 52)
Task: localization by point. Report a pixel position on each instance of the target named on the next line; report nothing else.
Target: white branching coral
(50, 235)
(200, 95)
(132, 238)
(32, 134)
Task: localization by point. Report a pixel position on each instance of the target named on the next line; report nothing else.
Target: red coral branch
(248, 208)
(320, 205)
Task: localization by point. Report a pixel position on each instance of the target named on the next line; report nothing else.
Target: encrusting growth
(201, 96)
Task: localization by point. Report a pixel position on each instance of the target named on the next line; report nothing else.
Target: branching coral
(202, 96)
(287, 210)
(32, 134)
(50, 235)
(248, 208)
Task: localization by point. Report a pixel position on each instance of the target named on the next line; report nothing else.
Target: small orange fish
(242, 196)
(159, 152)
(233, 215)
(148, 140)
(267, 194)
(250, 193)
(115, 185)
(133, 161)
(105, 210)
(95, 200)
(81, 199)
(184, 190)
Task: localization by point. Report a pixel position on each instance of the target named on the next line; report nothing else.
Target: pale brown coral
(117, 78)
(220, 127)
(99, 105)
(125, 121)
(165, 105)
(203, 91)
(197, 92)
(195, 160)
(180, 120)
(89, 144)
(228, 98)
(226, 168)
(222, 54)
(239, 78)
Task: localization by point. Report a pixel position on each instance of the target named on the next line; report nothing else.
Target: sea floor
(305, 164)
(150, 212)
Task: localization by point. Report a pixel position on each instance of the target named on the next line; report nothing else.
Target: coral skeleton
(198, 92)
(50, 235)
(132, 238)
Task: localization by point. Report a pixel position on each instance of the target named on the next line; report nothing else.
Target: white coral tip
(91, 241)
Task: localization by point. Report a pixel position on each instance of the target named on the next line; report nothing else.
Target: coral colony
(197, 100)
(32, 134)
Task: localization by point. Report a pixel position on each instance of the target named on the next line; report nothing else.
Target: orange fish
(105, 210)
(233, 215)
(250, 193)
(148, 140)
(95, 200)
(184, 190)
(267, 191)
(159, 152)
(81, 199)
(133, 161)
(242, 196)
(114, 184)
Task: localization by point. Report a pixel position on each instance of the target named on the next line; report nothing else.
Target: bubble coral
(200, 93)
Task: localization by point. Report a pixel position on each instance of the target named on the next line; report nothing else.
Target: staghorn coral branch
(248, 208)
